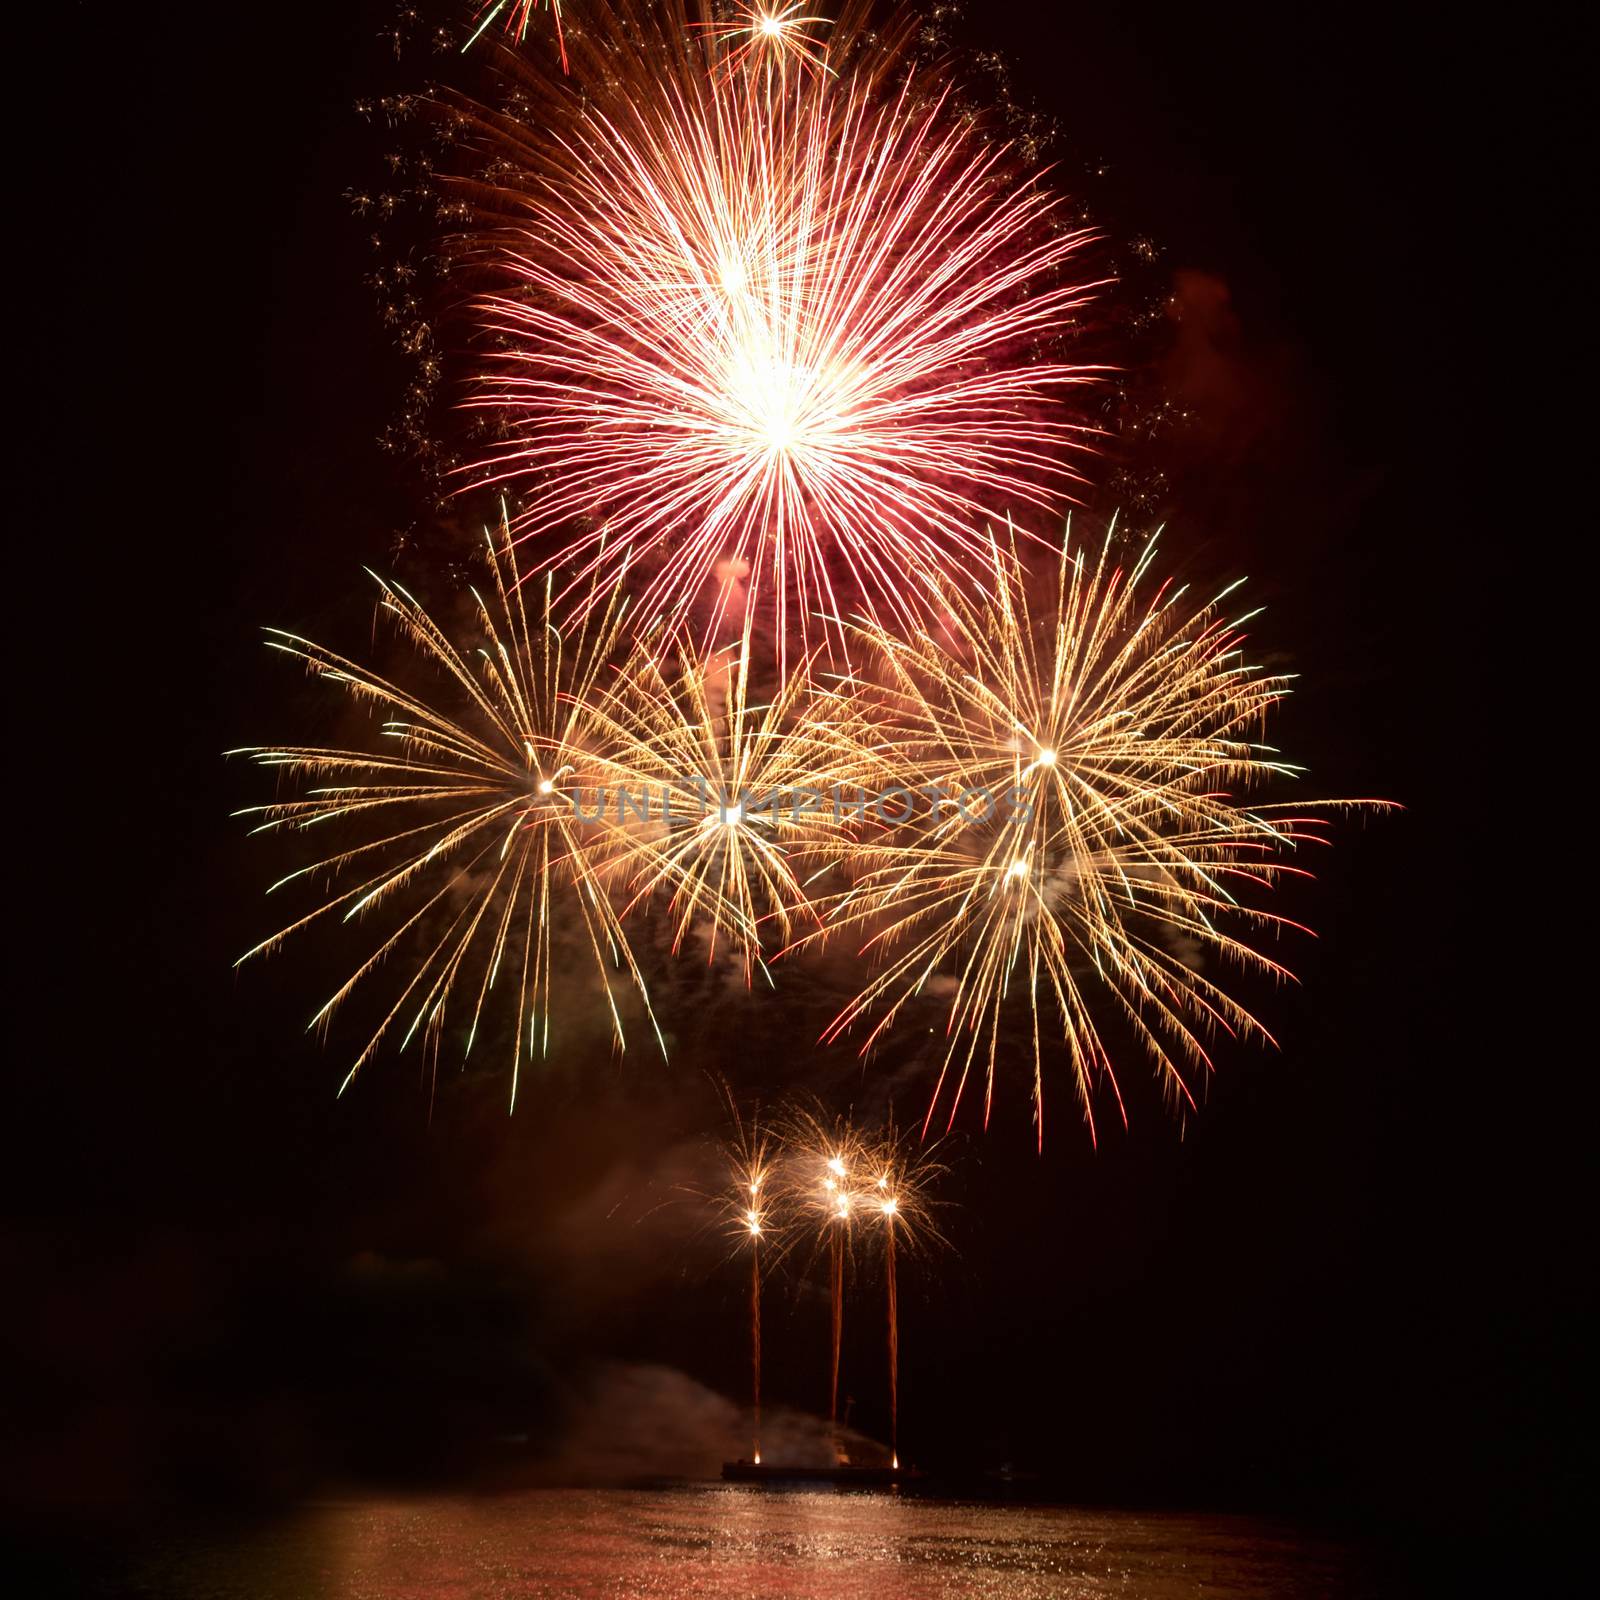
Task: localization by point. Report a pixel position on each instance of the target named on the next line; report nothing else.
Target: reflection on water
(716, 1541)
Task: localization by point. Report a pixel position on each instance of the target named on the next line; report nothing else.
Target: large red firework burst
(793, 337)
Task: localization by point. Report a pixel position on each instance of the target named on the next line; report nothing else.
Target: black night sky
(1334, 1292)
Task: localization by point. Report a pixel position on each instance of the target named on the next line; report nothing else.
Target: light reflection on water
(724, 1541)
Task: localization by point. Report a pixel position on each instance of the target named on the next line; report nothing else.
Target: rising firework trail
(887, 1208)
(753, 1206)
(900, 1175)
(1091, 833)
(455, 821)
(835, 1203)
(846, 1184)
(808, 328)
(838, 1243)
(825, 1161)
(755, 1337)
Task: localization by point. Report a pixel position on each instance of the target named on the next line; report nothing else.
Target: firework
(515, 15)
(1088, 837)
(857, 1191)
(809, 336)
(771, 37)
(896, 1194)
(827, 1163)
(753, 1205)
(455, 823)
(716, 795)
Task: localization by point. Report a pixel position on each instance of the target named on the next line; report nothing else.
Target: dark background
(1340, 1290)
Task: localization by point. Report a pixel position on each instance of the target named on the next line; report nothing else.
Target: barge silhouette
(844, 1476)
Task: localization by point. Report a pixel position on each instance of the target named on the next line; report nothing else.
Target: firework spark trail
(814, 342)
(517, 14)
(461, 813)
(1087, 838)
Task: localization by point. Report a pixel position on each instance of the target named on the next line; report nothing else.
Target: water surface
(726, 1540)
